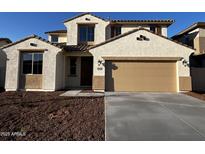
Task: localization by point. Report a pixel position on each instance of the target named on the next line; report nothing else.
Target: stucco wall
(198, 37)
(49, 64)
(72, 81)
(128, 46)
(60, 71)
(72, 29)
(61, 38)
(126, 28)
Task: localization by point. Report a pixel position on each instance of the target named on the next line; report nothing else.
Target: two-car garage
(141, 75)
(128, 64)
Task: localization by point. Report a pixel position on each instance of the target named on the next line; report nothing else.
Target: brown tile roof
(82, 14)
(57, 31)
(132, 31)
(165, 22)
(29, 37)
(6, 39)
(79, 47)
(190, 28)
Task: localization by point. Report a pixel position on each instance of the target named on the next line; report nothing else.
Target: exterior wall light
(99, 62)
(185, 62)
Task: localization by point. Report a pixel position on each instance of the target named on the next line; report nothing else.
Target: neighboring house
(107, 55)
(194, 36)
(3, 41)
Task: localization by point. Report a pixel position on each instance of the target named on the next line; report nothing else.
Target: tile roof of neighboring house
(79, 47)
(132, 31)
(166, 21)
(57, 31)
(6, 39)
(29, 37)
(82, 14)
(190, 28)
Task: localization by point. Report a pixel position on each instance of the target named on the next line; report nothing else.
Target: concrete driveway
(154, 117)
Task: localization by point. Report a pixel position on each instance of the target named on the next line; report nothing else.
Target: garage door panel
(141, 76)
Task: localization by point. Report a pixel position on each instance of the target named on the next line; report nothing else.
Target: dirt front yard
(47, 116)
(196, 95)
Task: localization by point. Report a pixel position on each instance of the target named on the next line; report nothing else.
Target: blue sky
(18, 25)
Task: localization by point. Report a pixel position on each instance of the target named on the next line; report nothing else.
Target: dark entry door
(86, 71)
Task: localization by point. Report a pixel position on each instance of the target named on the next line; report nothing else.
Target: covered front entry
(141, 76)
(78, 71)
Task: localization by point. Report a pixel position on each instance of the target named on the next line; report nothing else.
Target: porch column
(98, 74)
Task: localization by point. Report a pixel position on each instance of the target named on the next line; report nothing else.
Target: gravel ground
(196, 95)
(47, 116)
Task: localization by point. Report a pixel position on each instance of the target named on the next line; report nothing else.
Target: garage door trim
(117, 78)
(144, 58)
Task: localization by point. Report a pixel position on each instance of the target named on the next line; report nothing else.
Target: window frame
(86, 42)
(75, 66)
(154, 29)
(56, 37)
(157, 29)
(32, 63)
(113, 32)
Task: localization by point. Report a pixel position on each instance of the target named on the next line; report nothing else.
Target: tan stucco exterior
(62, 38)
(53, 60)
(30, 81)
(195, 38)
(185, 83)
(129, 46)
(127, 28)
(101, 28)
(56, 61)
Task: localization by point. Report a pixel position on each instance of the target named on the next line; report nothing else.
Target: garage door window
(32, 63)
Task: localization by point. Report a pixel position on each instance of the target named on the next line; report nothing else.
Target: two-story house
(194, 36)
(105, 55)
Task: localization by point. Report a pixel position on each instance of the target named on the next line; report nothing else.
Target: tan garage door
(152, 76)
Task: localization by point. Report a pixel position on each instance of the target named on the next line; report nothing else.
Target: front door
(86, 71)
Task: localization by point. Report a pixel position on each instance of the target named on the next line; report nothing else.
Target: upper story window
(54, 38)
(156, 29)
(115, 31)
(153, 29)
(188, 40)
(86, 33)
(32, 63)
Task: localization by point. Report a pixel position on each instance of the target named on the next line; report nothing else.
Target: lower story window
(32, 63)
